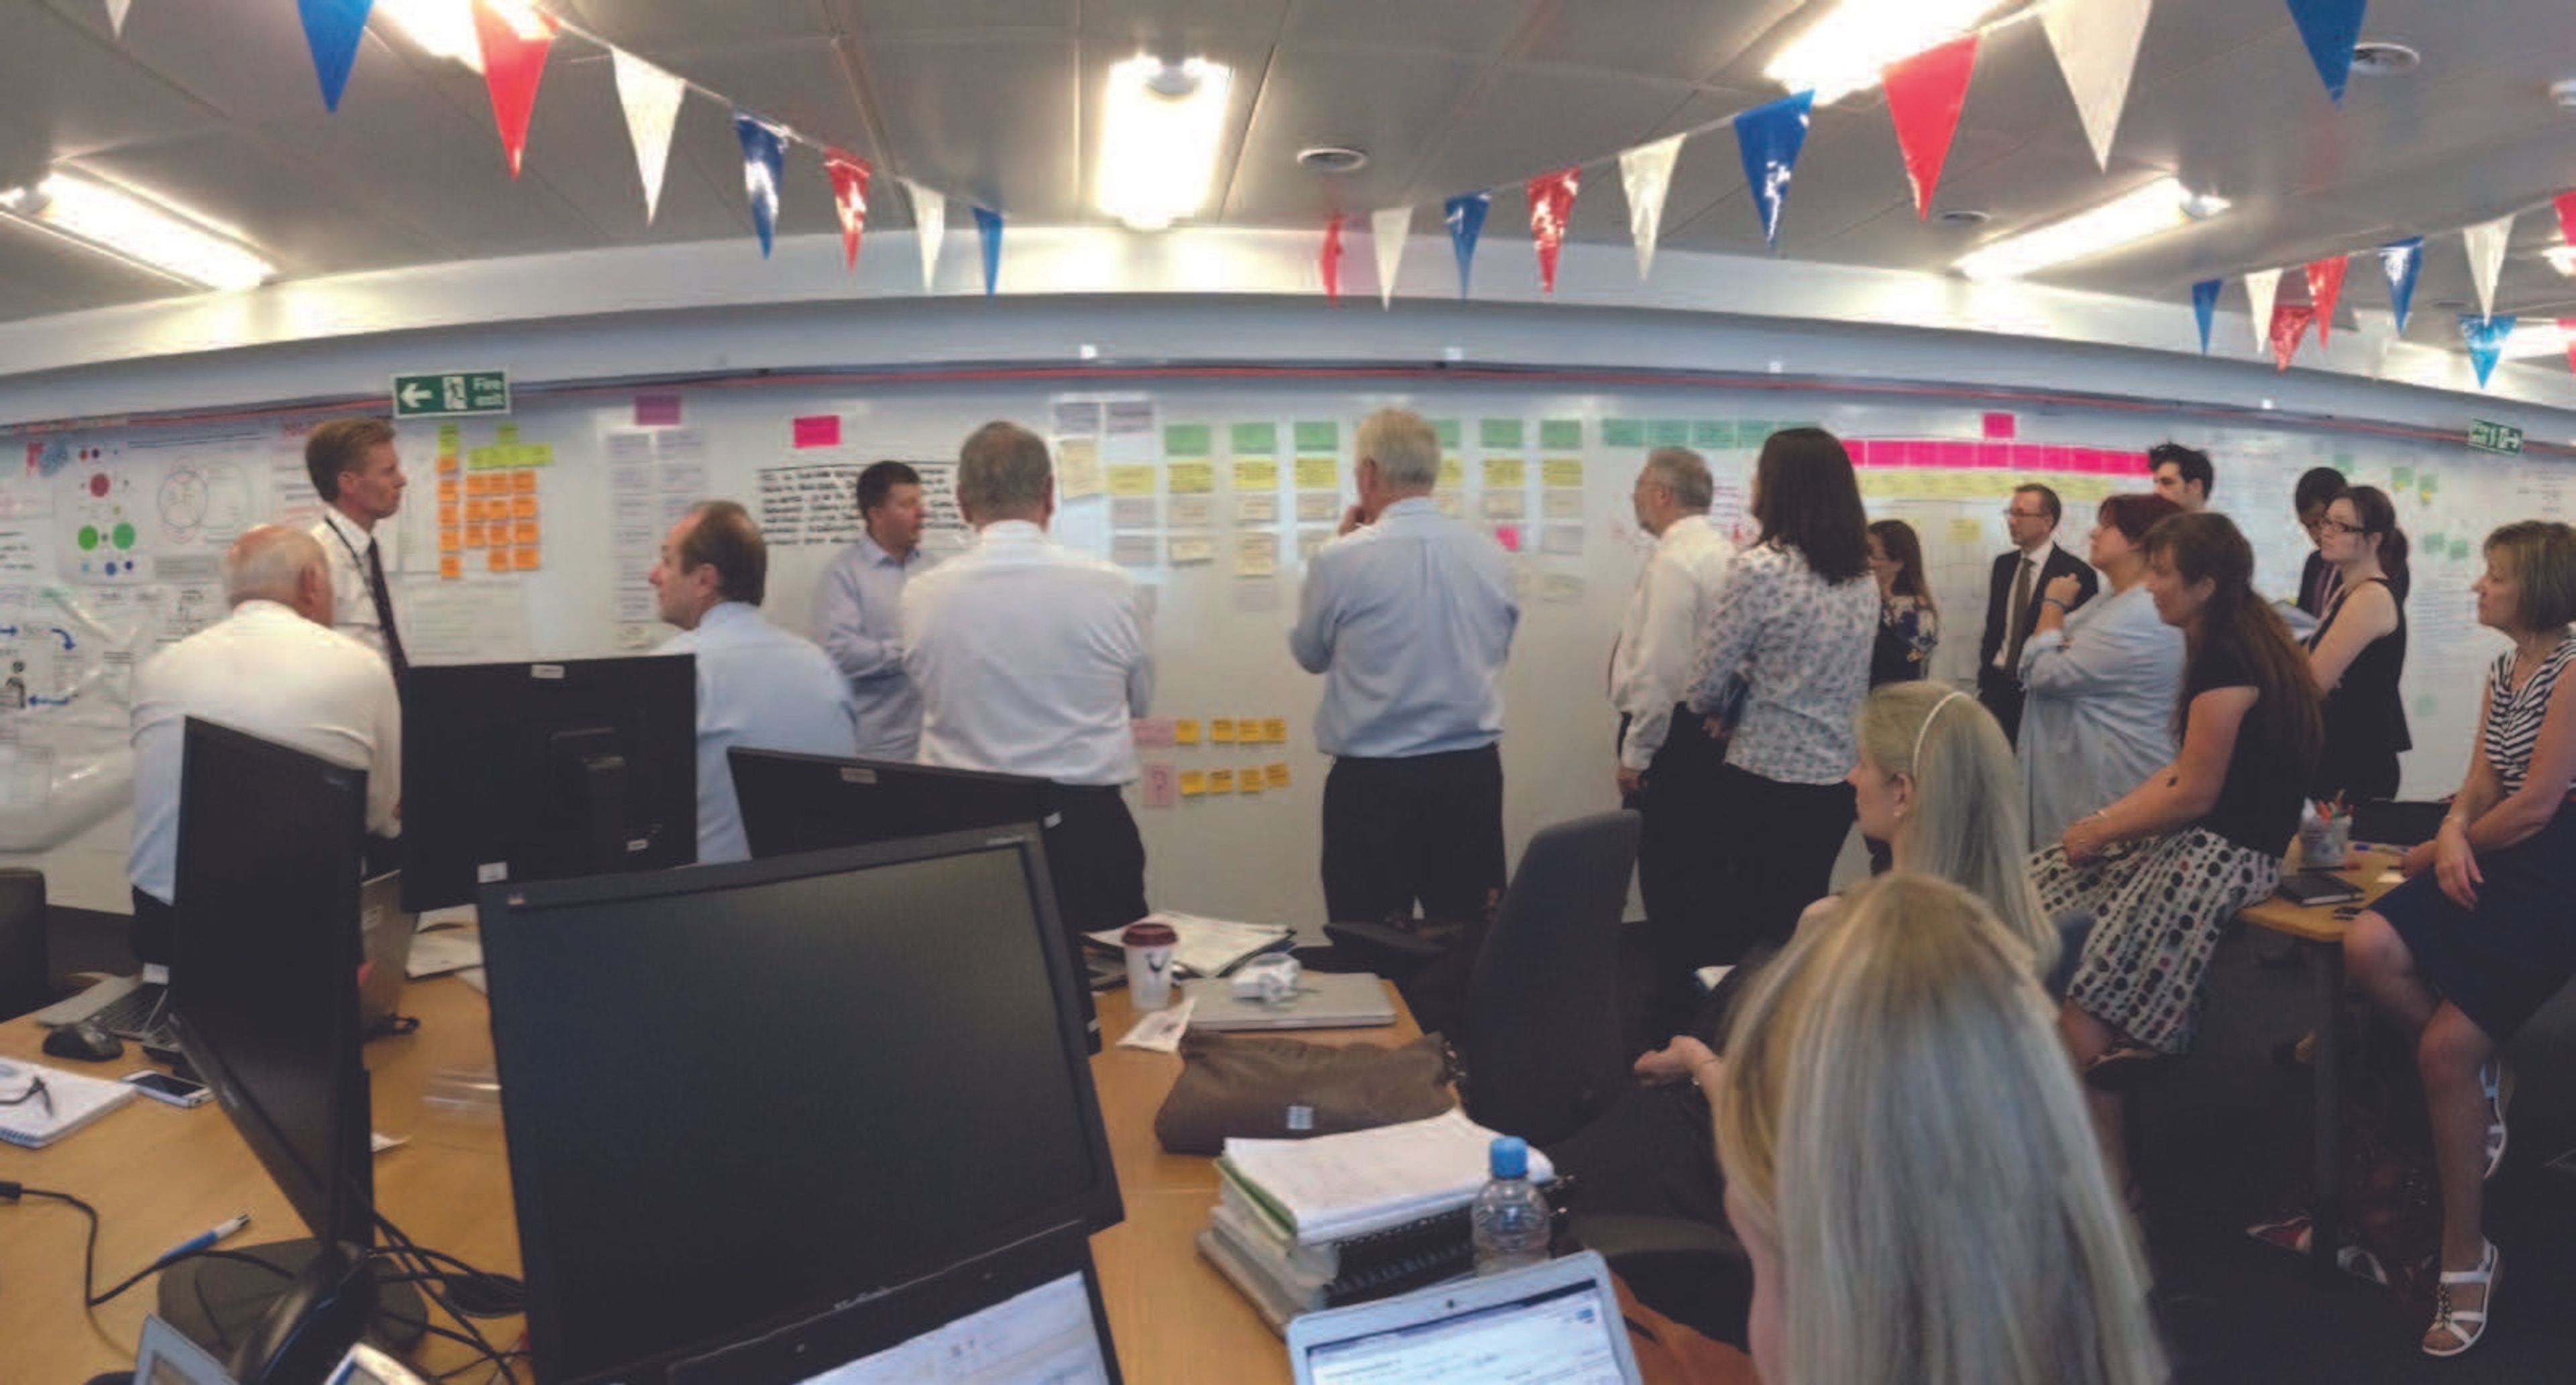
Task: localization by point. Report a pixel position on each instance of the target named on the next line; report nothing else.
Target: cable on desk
(431, 1278)
(90, 1295)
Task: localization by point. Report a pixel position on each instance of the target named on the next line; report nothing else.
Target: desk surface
(159, 1175)
(2318, 923)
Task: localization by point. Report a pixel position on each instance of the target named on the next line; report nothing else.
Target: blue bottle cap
(1510, 1157)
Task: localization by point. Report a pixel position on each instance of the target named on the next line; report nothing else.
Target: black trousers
(1777, 843)
(1677, 864)
(1424, 829)
(2002, 694)
(155, 928)
(1097, 859)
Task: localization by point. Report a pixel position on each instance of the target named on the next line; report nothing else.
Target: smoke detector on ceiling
(1333, 158)
(1964, 218)
(2384, 60)
(2564, 93)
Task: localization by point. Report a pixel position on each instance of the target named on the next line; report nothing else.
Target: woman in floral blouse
(1909, 625)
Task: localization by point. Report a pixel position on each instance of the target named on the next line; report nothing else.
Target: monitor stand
(592, 771)
(219, 1304)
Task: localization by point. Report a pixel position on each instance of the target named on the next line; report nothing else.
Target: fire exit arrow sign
(452, 393)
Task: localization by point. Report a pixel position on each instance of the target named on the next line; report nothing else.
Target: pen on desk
(207, 1241)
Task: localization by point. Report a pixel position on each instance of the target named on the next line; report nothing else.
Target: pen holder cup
(2325, 843)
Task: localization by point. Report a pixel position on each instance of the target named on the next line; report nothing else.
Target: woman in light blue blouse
(2101, 680)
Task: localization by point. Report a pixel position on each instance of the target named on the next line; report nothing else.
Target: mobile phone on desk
(165, 1088)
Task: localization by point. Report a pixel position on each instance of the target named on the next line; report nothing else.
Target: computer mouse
(84, 1042)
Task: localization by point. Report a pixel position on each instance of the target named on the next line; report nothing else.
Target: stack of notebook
(1307, 1224)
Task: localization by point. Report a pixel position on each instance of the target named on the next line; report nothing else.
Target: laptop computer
(130, 1007)
(1324, 1000)
(167, 1357)
(1559, 1321)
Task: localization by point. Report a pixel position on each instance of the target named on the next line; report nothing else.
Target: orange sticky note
(1220, 781)
(1185, 733)
(449, 464)
(1277, 775)
(451, 567)
(1275, 730)
(524, 532)
(1193, 783)
(449, 540)
(447, 517)
(523, 482)
(1221, 731)
(478, 485)
(523, 507)
(500, 560)
(526, 561)
(449, 492)
(474, 536)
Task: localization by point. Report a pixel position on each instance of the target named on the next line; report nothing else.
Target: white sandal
(2466, 1325)
(2498, 1084)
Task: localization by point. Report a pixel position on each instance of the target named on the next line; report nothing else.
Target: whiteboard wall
(1198, 486)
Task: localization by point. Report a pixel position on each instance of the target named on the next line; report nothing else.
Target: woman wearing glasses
(2359, 649)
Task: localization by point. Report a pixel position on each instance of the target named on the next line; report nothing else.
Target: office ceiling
(215, 107)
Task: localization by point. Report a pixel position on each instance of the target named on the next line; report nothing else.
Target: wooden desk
(2319, 931)
(159, 1176)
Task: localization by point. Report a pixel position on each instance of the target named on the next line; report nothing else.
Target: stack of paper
(1208, 947)
(75, 1101)
(1334, 1187)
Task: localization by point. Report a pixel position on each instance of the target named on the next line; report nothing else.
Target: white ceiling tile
(77, 91)
(649, 26)
(1528, 118)
(1470, 27)
(871, 19)
(994, 119)
(292, 213)
(55, 275)
(1689, 40)
(1368, 98)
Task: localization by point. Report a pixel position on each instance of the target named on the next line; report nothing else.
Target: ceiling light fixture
(445, 28)
(1844, 52)
(2151, 210)
(2530, 338)
(2561, 258)
(142, 232)
(2378, 58)
(1159, 139)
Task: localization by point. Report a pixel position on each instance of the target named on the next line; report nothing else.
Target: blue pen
(197, 1243)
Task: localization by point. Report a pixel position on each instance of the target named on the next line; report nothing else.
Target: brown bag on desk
(1240, 1087)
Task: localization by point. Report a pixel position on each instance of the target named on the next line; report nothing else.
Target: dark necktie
(2020, 618)
(385, 611)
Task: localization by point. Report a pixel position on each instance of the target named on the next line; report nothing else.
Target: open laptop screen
(1567, 1333)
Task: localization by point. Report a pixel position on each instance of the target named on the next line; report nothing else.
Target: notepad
(1337, 1186)
(1208, 947)
(437, 954)
(77, 1101)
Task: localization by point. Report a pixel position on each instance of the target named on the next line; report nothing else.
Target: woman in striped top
(2481, 934)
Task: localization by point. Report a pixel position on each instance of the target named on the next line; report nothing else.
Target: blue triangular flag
(1466, 222)
(988, 224)
(764, 159)
(2330, 28)
(2486, 338)
(2400, 260)
(332, 29)
(2204, 305)
(1769, 137)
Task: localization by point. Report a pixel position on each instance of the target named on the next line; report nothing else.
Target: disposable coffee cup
(1150, 947)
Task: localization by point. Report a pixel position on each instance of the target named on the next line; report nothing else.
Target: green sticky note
(1256, 439)
(2430, 482)
(2403, 478)
(2426, 705)
(1498, 433)
(1561, 434)
(1318, 437)
(2435, 545)
(1709, 432)
(1622, 432)
(1188, 440)
(1446, 429)
(2459, 550)
(2343, 463)
(1752, 432)
(1669, 432)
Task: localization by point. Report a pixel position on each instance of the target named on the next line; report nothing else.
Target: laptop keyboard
(134, 1014)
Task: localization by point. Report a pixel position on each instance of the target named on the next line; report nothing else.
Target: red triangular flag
(515, 44)
(2567, 329)
(2325, 285)
(1331, 259)
(2290, 322)
(850, 198)
(2566, 203)
(1924, 94)
(1551, 206)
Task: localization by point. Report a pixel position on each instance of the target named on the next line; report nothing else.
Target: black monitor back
(265, 958)
(546, 771)
(739, 1094)
(793, 803)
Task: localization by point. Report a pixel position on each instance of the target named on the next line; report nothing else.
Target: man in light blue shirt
(858, 610)
(1409, 617)
(758, 686)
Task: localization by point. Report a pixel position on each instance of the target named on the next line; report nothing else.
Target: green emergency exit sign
(2494, 437)
(453, 393)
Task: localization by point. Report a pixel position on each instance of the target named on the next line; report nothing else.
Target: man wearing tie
(2012, 599)
(360, 480)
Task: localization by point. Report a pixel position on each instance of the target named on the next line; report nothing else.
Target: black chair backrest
(25, 982)
(1541, 1039)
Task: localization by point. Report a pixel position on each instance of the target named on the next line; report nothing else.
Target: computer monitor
(546, 771)
(264, 1002)
(738, 1095)
(793, 803)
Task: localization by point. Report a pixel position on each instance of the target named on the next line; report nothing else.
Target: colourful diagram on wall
(208, 503)
(105, 529)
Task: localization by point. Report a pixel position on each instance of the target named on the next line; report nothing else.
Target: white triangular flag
(2097, 48)
(2486, 242)
(651, 97)
(2261, 287)
(1646, 173)
(929, 228)
(1388, 231)
(116, 15)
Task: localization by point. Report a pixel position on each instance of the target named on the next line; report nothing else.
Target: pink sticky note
(1162, 787)
(818, 430)
(2002, 427)
(1509, 536)
(2058, 458)
(1155, 733)
(657, 411)
(1956, 454)
(1922, 454)
(1993, 456)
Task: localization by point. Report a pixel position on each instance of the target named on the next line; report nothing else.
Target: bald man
(276, 669)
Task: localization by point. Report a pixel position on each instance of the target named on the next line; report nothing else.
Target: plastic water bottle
(1510, 1217)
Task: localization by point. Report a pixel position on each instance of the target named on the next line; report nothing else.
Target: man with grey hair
(1031, 659)
(1668, 758)
(276, 669)
(1409, 616)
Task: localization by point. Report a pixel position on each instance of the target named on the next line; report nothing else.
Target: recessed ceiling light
(1159, 139)
(1963, 217)
(2561, 258)
(445, 28)
(2378, 59)
(1333, 158)
(2135, 215)
(2451, 305)
(1846, 50)
(138, 230)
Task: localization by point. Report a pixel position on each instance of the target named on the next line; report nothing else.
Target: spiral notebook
(68, 1102)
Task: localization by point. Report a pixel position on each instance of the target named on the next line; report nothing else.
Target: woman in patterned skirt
(2481, 934)
(2163, 869)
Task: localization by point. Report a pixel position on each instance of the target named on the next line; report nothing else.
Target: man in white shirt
(1409, 616)
(360, 479)
(2013, 594)
(1667, 759)
(858, 610)
(758, 686)
(1032, 659)
(275, 669)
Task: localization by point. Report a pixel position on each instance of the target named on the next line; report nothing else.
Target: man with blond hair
(355, 470)
(1409, 616)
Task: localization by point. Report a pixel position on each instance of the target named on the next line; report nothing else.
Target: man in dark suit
(2012, 598)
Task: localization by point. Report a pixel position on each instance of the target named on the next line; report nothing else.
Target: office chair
(1540, 1033)
(26, 982)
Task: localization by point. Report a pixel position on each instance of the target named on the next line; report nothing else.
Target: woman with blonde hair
(1909, 1163)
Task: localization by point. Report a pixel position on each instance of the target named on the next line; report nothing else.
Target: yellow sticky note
(1561, 473)
(1131, 480)
(507, 435)
(1193, 478)
(1249, 781)
(449, 436)
(1505, 473)
(1319, 474)
(1452, 472)
(1966, 531)
(1193, 783)
(1185, 733)
(1256, 476)
(540, 454)
(1275, 730)
(1277, 774)
(1221, 731)
(1220, 781)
